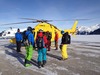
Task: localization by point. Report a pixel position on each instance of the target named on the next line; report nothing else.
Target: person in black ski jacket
(64, 43)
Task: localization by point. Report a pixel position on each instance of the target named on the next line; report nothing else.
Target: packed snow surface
(84, 58)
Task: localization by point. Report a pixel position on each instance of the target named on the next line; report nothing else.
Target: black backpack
(40, 42)
(66, 39)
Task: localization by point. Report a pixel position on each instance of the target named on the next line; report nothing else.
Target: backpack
(25, 39)
(66, 39)
(40, 42)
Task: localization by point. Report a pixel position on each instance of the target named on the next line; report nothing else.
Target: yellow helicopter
(52, 29)
(45, 26)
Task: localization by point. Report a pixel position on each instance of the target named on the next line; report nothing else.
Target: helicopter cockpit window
(8, 32)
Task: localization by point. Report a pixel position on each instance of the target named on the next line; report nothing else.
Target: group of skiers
(42, 43)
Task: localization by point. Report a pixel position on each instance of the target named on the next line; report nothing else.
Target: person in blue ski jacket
(30, 37)
(19, 39)
(29, 46)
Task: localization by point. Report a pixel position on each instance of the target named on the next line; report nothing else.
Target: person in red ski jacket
(41, 50)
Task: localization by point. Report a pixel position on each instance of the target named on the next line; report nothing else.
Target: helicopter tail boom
(73, 29)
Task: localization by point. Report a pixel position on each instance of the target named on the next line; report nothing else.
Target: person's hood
(28, 32)
(40, 34)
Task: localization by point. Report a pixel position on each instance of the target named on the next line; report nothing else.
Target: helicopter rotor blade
(37, 20)
(42, 20)
(19, 23)
(28, 19)
(72, 20)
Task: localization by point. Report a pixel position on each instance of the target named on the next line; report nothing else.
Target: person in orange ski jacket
(56, 40)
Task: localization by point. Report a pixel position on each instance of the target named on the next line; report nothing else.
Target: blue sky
(12, 10)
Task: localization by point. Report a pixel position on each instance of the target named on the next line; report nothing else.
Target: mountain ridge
(84, 30)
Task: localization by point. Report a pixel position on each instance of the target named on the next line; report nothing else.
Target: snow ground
(84, 59)
(87, 38)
